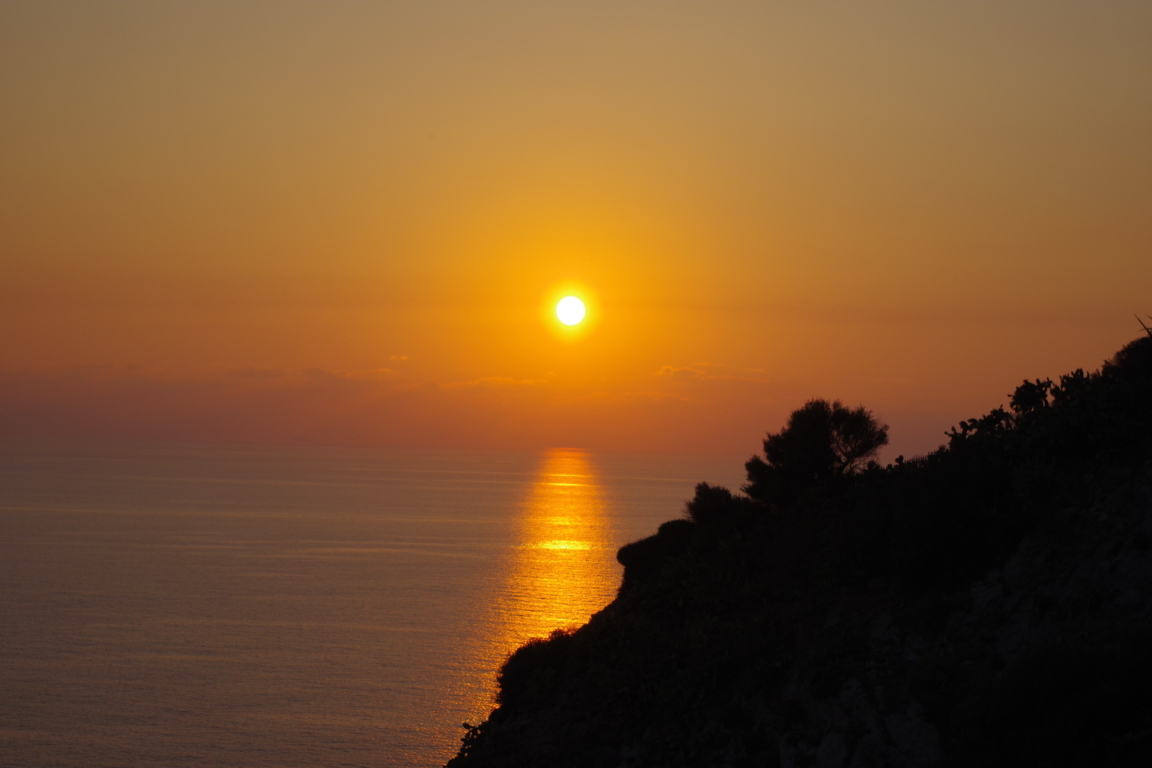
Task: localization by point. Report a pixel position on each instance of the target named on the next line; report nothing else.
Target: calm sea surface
(221, 606)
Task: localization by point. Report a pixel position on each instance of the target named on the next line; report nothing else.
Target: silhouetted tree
(821, 441)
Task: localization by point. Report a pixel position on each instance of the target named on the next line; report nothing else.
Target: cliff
(989, 604)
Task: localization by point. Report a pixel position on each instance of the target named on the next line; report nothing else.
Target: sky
(346, 222)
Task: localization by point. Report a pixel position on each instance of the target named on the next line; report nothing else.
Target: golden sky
(343, 222)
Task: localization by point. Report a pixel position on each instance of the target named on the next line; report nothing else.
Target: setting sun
(570, 310)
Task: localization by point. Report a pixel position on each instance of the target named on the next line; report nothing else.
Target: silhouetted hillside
(987, 605)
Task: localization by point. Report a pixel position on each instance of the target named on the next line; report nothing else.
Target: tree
(821, 442)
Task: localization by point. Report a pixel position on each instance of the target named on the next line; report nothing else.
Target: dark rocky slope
(987, 605)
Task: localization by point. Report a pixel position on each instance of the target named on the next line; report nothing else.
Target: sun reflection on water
(562, 568)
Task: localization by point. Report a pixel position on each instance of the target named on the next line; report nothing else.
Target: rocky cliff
(989, 604)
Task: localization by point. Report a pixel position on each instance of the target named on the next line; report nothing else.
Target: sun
(570, 310)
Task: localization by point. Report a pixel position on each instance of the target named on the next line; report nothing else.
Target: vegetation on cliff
(988, 604)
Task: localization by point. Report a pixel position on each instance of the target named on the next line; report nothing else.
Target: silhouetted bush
(717, 509)
(710, 504)
(533, 667)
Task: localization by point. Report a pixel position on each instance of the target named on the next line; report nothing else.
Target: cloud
(679, 373)
(493, 382)
(257, 373)
(712, 372)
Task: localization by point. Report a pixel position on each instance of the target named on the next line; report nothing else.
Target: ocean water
(234, 606)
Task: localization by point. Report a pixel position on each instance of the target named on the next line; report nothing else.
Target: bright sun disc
(570, 310)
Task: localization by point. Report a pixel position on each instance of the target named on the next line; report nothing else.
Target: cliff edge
(989, 604)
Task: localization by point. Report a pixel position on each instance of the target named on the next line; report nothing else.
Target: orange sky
(338, 222)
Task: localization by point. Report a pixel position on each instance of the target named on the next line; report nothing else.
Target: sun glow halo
(570, 310)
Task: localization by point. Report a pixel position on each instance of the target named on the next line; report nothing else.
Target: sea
(207, 605)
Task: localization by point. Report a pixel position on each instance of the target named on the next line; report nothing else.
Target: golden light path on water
(563, 567)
